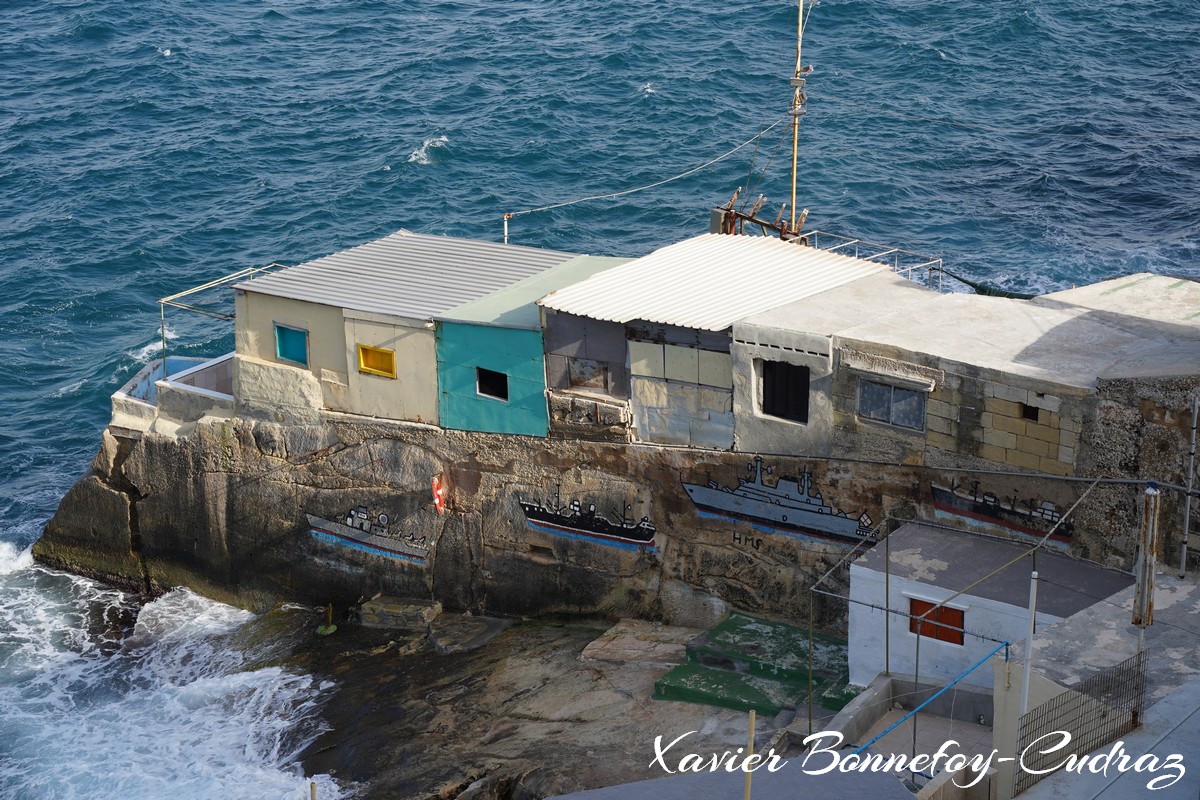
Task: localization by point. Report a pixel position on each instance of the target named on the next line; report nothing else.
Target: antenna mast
(799, 98)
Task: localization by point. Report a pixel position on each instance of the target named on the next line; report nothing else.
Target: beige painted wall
(413, 393)
(333, 337)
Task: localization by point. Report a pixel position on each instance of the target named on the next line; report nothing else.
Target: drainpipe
(1033, 580)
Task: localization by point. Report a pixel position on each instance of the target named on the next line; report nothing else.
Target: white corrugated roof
(709, 282)
(408, 274)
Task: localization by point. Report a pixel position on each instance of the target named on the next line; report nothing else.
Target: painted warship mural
(790, 507)
(359, 531)
(575, 522)
(1032, 517)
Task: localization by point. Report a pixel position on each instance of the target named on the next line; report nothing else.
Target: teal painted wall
(517, 353)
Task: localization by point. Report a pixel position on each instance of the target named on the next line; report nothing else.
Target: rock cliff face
(224, 510)
(227, 506)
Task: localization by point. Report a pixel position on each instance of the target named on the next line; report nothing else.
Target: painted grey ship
(790, 507)
(360, 533)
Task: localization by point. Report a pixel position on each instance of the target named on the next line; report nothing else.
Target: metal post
(507, 217)
(887, 602)
(749, 752)
(810, 662)
(917, 676)
(1187, 498)
(1033, 579)
(162, 331)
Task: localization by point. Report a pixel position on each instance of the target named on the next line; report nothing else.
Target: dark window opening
(784, 391)
(945, 624)
(891, 404)
(491, 383)
(1029, 412)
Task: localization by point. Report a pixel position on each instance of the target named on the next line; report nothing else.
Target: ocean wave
(424, 154)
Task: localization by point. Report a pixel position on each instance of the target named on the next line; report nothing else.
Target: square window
(783, 390)
(490, 383)
(945, 624)
(1029, 412)
(894, 405)
(291, 345)
(376, 361)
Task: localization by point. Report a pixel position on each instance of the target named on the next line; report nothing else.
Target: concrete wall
(938, 659)
(1008, 678)
(756, 432)
(516, 353)
(412, 394)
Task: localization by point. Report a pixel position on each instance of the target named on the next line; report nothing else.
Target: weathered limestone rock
(399, 614)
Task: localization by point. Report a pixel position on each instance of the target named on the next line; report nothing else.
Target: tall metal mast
(798, 100)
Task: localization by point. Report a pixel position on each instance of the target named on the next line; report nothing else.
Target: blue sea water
(149, 146)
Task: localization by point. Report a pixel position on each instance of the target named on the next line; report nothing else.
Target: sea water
(146, 147)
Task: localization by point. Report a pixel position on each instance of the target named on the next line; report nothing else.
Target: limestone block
(1055, 467)
(1026, 460)
(993, 453)
(1037, 447)
(1066, 454)
(1043, 432)
(941, 409)
(276, 391)
(942, 441)
(1047, 401)
(1012, 393)
(939, 425)
(1009, 424)
(1003, 408)
(1000, 438)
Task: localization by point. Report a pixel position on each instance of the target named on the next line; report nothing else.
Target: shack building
(655, 334)
(490, 354)
(354, 331)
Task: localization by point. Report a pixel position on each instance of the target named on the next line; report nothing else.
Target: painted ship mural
(358, 530)
(576, 522)
(790, 507)
(1029, 517)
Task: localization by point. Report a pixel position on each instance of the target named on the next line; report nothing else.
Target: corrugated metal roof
(408, 274)
(709, 282)
(515, 306)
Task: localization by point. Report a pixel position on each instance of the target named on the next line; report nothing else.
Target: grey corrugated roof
(408, 274)
(710, 281)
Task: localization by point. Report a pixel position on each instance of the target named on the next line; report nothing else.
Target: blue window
(291, 345)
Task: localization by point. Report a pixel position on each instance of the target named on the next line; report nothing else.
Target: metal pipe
(1187, 498)
(1033, 579)
(749, 752)
(887, 601)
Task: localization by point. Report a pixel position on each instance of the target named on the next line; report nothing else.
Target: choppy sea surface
(146, 147)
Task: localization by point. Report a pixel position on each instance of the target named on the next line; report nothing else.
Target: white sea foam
(172, 710)
(422, 154)
(647, 89)
(12, 559)
(151, 349)
(70, 388)
(163, 51)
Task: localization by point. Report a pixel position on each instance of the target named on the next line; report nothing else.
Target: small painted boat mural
(359, 531)
(789, 507)
(1029, 517)
(576, 522)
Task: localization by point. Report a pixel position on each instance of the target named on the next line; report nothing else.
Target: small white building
(922, 565)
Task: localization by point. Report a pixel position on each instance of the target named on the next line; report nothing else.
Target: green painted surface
(515, 306)
(461, 349)
(748, 663)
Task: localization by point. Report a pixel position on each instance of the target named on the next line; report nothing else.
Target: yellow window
(376, 361)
